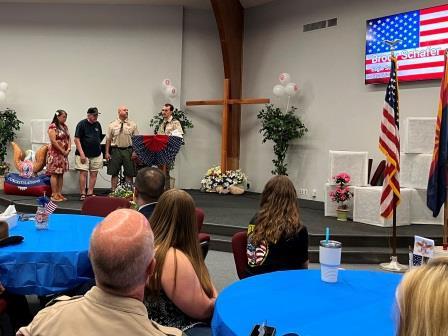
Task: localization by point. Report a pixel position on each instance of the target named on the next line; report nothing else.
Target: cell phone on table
(268, 331)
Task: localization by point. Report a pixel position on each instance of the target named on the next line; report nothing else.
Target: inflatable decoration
(27, 182)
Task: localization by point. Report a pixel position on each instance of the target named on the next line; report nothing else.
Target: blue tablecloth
(361, 303)
(48, 261)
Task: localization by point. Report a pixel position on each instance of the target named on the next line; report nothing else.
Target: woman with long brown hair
(180, 293)
(277, 240)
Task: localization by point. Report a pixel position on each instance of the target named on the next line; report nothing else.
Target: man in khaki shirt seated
(122, 256)
(119, 147)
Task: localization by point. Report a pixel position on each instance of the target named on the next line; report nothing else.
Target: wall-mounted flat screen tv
(422, 39)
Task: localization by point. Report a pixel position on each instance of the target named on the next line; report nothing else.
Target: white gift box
(414, 170)
(353, 163)
(420, 214)
(11, 220)
(330, 206)
(420, 134)
(366, 207)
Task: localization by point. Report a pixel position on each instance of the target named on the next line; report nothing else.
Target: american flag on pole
(390, 145)
(423, 36)
(50, 207)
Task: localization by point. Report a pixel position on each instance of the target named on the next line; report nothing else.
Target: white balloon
(3, 86)
(291, 89)
(278, 90)
(284, 78)
(2, 96)
(166, 82)
(171, 91)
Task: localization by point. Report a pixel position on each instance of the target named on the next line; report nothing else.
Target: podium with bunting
(157, 150)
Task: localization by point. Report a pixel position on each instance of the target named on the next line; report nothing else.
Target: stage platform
(227, 214)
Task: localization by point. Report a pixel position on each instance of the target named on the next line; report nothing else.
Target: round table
(48, 261)
(360, 303)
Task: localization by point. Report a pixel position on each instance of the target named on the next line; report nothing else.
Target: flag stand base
(393, 266)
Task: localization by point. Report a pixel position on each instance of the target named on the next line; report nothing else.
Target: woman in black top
(276, 238)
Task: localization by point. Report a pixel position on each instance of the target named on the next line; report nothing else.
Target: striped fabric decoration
(390, 145)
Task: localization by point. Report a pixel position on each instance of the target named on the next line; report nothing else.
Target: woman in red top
(57, 162)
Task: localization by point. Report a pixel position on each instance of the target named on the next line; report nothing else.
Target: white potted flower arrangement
(231, 181)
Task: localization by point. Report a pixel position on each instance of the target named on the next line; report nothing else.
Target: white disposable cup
(330, 260)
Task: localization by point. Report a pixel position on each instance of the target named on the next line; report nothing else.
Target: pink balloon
(291, 89)
(284, 78)
(171, 91)
(166, 82)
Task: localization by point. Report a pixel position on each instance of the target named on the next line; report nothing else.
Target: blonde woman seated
(422, 299)
(180, 293)
(277, 240)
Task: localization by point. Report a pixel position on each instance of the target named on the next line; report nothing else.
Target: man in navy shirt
(88, 155)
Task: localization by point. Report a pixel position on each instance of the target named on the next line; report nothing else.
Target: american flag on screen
(423, 36)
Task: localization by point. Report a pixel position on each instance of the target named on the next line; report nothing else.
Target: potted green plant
(281, 128)
(9, 126)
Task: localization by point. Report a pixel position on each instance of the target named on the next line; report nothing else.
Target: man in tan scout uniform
(170, 125)
(122, 256)
(119, 147)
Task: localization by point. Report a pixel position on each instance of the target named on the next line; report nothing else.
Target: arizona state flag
(437, 174)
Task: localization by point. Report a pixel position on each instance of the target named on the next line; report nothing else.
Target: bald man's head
(123, 112)
(121, 250)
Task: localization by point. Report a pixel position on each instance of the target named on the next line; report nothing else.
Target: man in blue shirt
(88, 155)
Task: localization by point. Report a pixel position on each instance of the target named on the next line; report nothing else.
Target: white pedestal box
(414, 170)
(420, 214)
(366, 207)
(420, 133)
(353, 163)
(330, 206)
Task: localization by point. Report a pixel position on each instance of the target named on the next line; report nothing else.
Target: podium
(156, 150)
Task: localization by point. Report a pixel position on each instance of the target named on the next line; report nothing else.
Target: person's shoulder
(176, 258)
(60, 303)
(52, 126)
(81, 123)
(174, 253)
(114, 122)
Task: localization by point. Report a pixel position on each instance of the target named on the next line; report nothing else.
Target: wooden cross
(226, 102)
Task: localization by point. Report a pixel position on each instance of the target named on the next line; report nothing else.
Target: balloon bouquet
(168, 88)
(285, 87)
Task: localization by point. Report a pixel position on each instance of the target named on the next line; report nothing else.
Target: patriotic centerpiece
(44, 209)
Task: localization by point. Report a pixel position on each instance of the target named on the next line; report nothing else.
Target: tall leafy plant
(281, 128)
(9, 126)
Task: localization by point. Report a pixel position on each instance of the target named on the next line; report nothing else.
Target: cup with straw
(329, 258)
